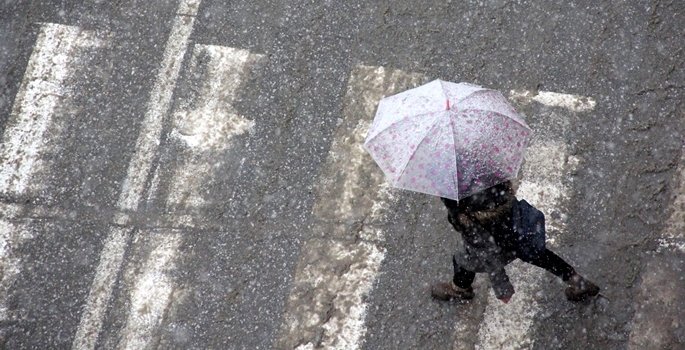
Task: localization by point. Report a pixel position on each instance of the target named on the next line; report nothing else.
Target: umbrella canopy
(446, 139)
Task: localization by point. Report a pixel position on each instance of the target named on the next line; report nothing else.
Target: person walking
(462, 143)
(496, 229)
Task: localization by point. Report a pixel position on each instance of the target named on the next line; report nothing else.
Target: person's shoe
(580, 288)
(449, 291)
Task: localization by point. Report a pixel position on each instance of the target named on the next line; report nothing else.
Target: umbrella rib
(393, 124)
(444, 94)
(484, 90)
(454, 156)
(404, 166)
(501, 115)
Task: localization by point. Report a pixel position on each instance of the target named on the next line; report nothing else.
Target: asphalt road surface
(189, 174)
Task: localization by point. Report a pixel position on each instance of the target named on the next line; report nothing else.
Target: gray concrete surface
(189, 174)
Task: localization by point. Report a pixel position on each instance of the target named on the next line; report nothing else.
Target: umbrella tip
(448, 104)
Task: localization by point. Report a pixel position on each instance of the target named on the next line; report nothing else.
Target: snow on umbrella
(446, 139)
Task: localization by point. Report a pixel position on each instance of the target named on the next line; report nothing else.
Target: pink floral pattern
(446, 139)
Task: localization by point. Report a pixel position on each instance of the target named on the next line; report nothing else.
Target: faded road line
(139, 168)
(335, 273)
(158, 106)
(31, 127)
(152, 291)
(574, 103)
(509, 326)
(674, 231)
(13, 233)
(41, 91)
(204, 123)
(660, 303)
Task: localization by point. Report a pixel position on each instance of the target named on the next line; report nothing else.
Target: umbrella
(446, 139)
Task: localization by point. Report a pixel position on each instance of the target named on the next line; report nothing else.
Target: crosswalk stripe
(658, 305)
(509, 326)
(204, 124)
(674, 228)
(13, 233)
(41, 91)
(57, 51)
(151, 291)
(112, 255)
(570, 102)
(326, 306)
(158, 107)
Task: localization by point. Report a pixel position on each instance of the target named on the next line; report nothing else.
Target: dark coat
(493, 238)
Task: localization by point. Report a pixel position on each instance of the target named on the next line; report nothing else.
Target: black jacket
(515, 229)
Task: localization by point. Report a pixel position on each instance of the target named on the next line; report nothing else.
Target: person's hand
(506, 300)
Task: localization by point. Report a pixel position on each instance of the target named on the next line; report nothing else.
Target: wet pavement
(190, 174)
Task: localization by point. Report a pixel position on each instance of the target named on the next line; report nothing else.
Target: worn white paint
(657, 311)
(574, 103)
(204, 129)
(151, 292)
(666, 244)
(338, 306)
(111, 258)
(13, 233)
(343, 294)
(344, 330)
(674, 229)
(158, 107)
(188, 7)
(543, 183)
(112, 255)
(58, 50)
(206, 123)
(509, 326)
(42, 89)
(356, 284)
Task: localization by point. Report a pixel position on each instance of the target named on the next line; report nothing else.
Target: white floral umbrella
(448, 140)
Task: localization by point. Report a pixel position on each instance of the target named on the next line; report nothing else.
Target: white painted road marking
(57, 51)
(158, 107)
(326, 307)
(13, 233)
(674, 231)
(138, 171)
(205, 124)
(509, 326)
(41, 91)
(658, 306)
(151, 293)
(574, 103)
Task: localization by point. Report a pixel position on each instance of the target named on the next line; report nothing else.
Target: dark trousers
(547, 260)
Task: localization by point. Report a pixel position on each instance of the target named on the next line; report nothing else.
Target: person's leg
(459, 288)
(462, 278)
(579, 287)
(554, 264)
